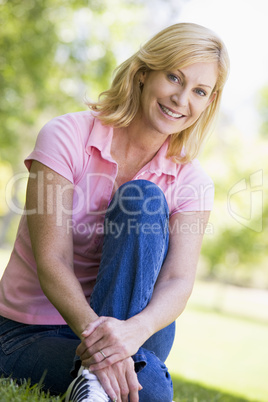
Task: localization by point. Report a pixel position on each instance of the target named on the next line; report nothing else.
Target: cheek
(148, 100)
(156, 90)
(200, 108)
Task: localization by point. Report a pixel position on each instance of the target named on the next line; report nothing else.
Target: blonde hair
(177, 46)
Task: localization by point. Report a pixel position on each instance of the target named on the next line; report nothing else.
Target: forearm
(167, 303)
(177, 275)
(64, 291)
(52, 245)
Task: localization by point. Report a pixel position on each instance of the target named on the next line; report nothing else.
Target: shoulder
(61, 143)
(193, 188)
(78, 121)
(199, 172)
(68, 131)
(192, 172)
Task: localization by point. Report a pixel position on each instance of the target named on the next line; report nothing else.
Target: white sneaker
(86, 388)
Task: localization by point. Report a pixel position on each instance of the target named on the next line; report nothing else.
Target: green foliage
(235, 250)
(54, 52)
(11, 391)
(23, 69)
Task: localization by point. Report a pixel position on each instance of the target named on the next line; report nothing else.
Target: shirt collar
(161, 164)
(101, 138)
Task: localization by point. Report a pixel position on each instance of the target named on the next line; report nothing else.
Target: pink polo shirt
(77, 146)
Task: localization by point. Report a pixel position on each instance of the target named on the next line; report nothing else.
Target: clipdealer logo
(249, 211)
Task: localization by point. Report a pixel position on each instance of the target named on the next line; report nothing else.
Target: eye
(200, 92)
(173, 78)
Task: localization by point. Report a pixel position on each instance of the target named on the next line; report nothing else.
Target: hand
(107, 341)
(120, 381)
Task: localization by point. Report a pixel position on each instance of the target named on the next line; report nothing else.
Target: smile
(170, 113)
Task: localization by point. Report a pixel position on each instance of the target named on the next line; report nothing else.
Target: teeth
(167, 111)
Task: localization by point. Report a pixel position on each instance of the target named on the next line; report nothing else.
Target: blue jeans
(134, 249)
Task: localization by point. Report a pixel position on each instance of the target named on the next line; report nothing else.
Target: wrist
(142, 327)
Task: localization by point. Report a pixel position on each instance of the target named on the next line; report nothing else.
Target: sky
(242, 24)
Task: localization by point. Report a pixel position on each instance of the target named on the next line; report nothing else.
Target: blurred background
(54, 53)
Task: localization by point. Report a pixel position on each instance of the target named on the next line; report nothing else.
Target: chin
(167, 132)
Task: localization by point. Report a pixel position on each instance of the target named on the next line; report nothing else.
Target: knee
(156, 382)
(141, 197)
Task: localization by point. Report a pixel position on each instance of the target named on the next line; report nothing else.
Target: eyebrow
(199, 85)
(203, 85)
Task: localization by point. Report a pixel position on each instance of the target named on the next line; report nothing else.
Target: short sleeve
(194, 190)
(60, 147)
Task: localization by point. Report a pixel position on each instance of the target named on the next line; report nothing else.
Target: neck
(132, 145)
(136, 136)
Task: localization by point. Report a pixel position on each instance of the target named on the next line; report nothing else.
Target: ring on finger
(103, 354)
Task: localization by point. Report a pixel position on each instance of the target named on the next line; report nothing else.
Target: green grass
(186, 391)
(223, 352)
(10, 391)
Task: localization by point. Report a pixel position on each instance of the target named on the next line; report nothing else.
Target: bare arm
(176, 278)
(49, 202)
(171, 293)
(51, 195)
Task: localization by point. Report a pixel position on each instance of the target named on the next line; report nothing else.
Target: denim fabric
(37, 352)
(128, 271)
(134, 249)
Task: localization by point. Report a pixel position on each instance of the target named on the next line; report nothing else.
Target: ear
(142, 77)
(213, 96)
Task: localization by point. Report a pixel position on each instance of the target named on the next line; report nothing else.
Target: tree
(53, 53)
(234, 249)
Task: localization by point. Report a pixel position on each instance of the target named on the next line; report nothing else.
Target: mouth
(170, 113)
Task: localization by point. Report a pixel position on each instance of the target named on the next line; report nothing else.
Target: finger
(124, 390)
(98, 335)
(134, 396)
(81, 349)
(104, 356)
(110, 385)
(85, 351)
(101, 364)
(95, 359)
(95, 353)
(91, 344)
(134, 386)
(115, 387)
(90, 328)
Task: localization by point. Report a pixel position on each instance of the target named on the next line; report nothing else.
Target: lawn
(184, 391)
(221, 351)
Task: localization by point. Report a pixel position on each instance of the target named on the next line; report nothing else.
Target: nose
(180, 98)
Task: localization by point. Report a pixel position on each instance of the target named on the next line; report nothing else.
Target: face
(173, 100)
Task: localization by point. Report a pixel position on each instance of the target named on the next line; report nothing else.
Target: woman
(105, 256)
